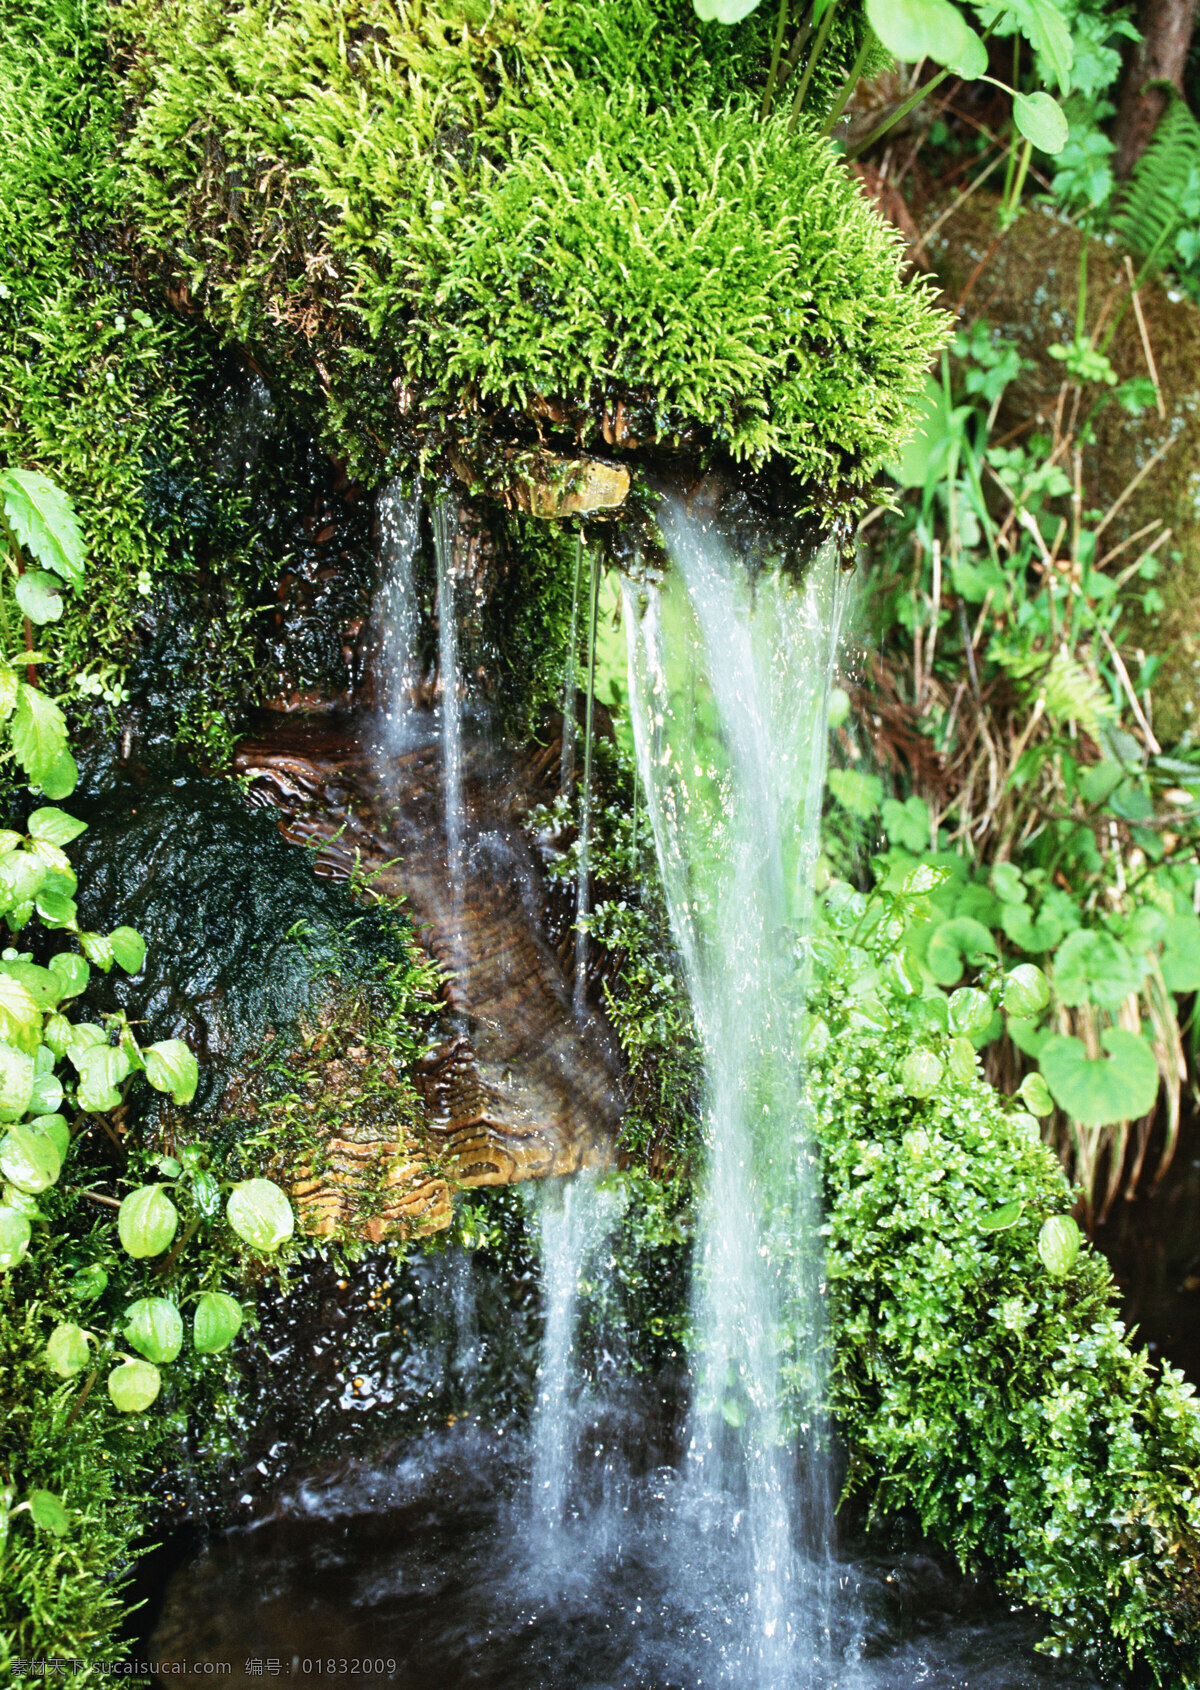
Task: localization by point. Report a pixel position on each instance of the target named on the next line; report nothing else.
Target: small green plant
(1066, 834)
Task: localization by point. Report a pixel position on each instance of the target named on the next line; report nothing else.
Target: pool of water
(432, 1572)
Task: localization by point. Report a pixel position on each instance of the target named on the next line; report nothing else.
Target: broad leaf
(171, 1067)
(1181, 954)
(43, 519)
(1001, 1219)
(97, 950)
(63, 776)
(154, 1328)
(46, 1510)
(1040, 933)
(101, 1070)
(724, 11)
(38, 597)
(29, 1159)
(72, 971)
(47, 1093)
(16, 1082)
(56, 827)
(1090, 966)
(1050, 34)
(39, 734)
(55, 1127)
(128, 948)
(956, 945)
(1097, 1091)
(43, 986)
(15, 1233)
(1040, 119)
(146, 1221)
(920, 29)
(133, 1386)
(858, 793)
(259, 1212)
(1058, 1245)
(67, 1350)
(971, 1012)
(216, 1323)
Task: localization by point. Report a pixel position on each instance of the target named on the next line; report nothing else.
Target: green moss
(94, 390)
(494, 209)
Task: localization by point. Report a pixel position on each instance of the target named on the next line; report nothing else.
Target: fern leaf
(1153, 206)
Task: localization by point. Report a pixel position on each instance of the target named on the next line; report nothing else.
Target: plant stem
(80, 1399)
(855, 72)
(817, 49)
(785, 7)
(903, 110)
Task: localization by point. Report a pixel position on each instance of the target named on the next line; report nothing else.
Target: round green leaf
(1058, 1245)
(48, 1512)
(919, 29)
(128, 948)
(43, 986)
(970, 60)
(1035, 1094)
(970, 1012)
(1001, 1219)
(1097, 1091)
(920, 1073)
(67, 1350)
(259, 1212)
(171, 1067)
(207, 1194)
(154, 1328)
(102, 1067)
(1026, 991)
(56, 1033)
(47, 1092)
(29, 1158)
(1008, 883)
(21, 1028)
(724, 11)
(72, 972)
(962, 1060)
(956, 945)
(1040, 934)
(15, 1233)
(56, 1129)
(133, 1386)
(38, 596)
(216, 1323)
(146, 1221)
(1091, 966)
(1181, 953)
(1040, 119)
(89, 1283)
(62, 777)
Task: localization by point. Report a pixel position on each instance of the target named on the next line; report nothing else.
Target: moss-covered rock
(491, 224)
(1028, 289)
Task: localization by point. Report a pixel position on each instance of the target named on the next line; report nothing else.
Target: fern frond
(1153, 206)
(1073, 694)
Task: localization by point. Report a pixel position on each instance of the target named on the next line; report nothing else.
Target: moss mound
(476, 224)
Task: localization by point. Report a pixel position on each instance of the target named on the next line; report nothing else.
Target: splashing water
(445, 535)
(575, 1218)
(398, 619)
(730, 680)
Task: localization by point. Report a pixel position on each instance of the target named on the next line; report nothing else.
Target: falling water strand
(398, 618)
(585, 800)
(729, 686)
(570, 678)
(575, 1217)
(445, 533)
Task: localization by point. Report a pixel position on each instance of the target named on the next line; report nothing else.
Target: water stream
(398, 618)
(445, 533)
(730, 678)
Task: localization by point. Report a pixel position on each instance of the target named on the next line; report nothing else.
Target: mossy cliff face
(464, 231)
(1028, 289)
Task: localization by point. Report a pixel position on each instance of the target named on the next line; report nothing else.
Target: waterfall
(575, 1218)
(398, 617)
(570, 679)
(585, 798)
(445, 533)
(729, 682)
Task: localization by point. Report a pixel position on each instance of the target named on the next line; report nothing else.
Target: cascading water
(729, 678)
(575, 1216)
(445, 533)
(398, 618)
(583, 880)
